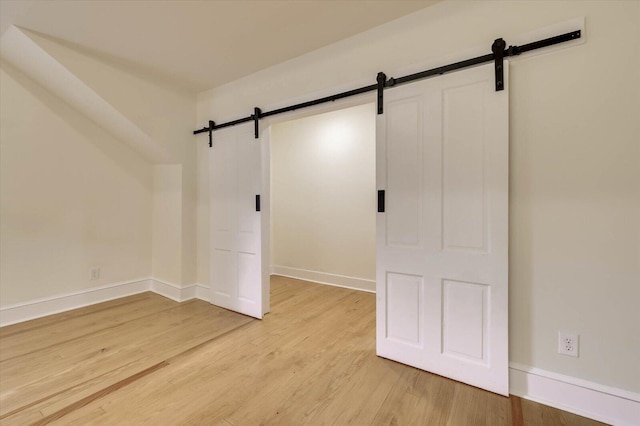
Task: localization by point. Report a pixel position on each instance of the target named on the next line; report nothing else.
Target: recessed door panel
(463, 180)
(404, 308)
(464, 320)
(404, 177)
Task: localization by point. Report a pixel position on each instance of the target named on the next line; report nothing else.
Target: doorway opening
(441, 230)
(323, 197)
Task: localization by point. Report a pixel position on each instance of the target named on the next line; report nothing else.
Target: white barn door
(235, 226)
(442, 243)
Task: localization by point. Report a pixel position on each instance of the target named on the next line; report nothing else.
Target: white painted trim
(19, 312)
(203, 292)
(173, 291)
(588, 399)
(335, 280)
(37, 308)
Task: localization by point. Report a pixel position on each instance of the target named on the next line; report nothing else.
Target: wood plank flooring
(147, 360)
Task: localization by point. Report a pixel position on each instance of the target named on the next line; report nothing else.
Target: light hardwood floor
(147, 360)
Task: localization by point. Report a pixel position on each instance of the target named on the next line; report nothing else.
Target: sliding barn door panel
(235, 226)
(442, 149)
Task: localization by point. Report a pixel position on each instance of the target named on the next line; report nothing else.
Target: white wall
(323, 195)
(575, 163)
(74, 196)
(71, 198)
(166, 251)
(163, 112)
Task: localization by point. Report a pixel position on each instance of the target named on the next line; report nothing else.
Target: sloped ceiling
(199, 45)
(191, 45)
(43, 68)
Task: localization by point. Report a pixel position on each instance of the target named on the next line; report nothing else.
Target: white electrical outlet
(568, 343)
(95, 273)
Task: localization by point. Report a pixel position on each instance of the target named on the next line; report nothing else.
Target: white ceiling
(202, 44)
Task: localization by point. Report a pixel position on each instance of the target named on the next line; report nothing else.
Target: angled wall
(121, 211)
(72, 198)
(163, 113)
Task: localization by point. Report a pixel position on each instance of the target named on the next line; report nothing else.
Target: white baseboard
(325, 278)
(202, 292)
(173, 291)
(180, 294)
(19, 312)
(588, 399)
